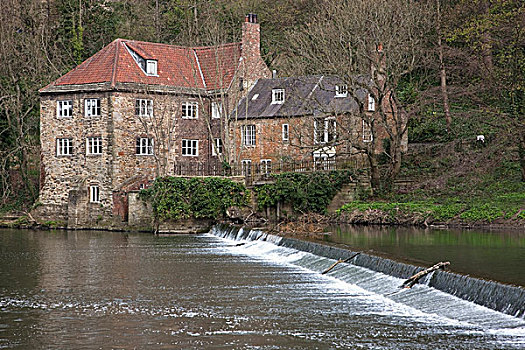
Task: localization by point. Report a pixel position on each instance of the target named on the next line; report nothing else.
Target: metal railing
(259, 172)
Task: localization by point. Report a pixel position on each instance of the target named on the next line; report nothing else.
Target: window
(190, 110)
(64, 109)
(151, 67)
(143, 107)
(94, 145)
(64, 147)
(190, 148)
(341, 90)
(324, 130)
(94, 194)
(286, 132)
(266, 166)
(278, 96)
(216, 110)
(144, 146)
(248, 135)
(371, 103)
(367, 132)
(92, 107)
(217, 147)
(246, 167)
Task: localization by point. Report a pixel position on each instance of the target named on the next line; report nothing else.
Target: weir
(506, 299)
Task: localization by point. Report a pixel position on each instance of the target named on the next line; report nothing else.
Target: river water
(102, 290)
(495, 255)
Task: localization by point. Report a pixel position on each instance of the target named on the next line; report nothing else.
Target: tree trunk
(396, 161)
(375, 176)
(442, 71)
(521, 150)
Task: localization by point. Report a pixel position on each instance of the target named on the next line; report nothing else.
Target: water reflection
(496, 255)
(85, 290)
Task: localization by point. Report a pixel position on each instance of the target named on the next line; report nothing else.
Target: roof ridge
(179, 46)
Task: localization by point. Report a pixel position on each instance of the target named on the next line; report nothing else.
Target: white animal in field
(480, 138)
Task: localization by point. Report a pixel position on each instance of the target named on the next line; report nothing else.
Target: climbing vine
(178, 198)
(310, 192)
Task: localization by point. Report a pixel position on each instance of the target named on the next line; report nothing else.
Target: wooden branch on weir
(338, 262)
(413, 280)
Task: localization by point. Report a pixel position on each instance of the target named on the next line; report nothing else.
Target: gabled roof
(309, 95)
(207, 68)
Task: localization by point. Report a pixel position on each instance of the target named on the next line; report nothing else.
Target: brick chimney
(253, 64)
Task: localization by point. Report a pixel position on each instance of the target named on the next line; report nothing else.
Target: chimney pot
(251, 18)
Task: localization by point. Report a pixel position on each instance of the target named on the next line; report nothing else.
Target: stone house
(131, 112)
(301, 120)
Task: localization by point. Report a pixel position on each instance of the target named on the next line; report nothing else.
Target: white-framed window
(371, 103)
(216, 110)
(324, 130)
(190, 148)
(151, 67)
(144, 146)
(246, 167)
(94, 145)
(92, 107)
(216, 147)
(341, 90)
(64, 147)
(65, 109)
(367, 132)
(248, 136)
(190, 110)
(266, 166)
(94, 194)
(278, 96)
(143, 107)
(286, 132)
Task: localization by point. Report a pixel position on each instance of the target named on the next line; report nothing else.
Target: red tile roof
(187, 67)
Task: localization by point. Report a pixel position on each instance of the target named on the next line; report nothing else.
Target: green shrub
(306, 193)
(179, 198)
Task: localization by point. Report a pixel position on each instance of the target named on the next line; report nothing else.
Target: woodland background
(465, 74)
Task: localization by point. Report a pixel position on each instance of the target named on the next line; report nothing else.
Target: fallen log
(338, 262)
(409, 283)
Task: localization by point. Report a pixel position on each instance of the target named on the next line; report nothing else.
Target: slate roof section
(309, 95)
(207, 68)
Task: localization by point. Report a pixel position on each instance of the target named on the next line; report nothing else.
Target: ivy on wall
(310, 192)
(178, 198)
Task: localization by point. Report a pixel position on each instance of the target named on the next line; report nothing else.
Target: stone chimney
(253, 64)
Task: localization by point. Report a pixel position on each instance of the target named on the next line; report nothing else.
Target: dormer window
(278, 96)
(151, 67)
(371, 103)
(341, 90)
(148, 66)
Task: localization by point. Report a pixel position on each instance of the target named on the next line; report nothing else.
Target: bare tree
(22, 68)
(372, 45)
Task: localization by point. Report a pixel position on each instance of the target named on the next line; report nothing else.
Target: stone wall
(119, 128)
(77, 171)
(301, 145)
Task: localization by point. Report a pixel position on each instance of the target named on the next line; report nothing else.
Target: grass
(457, 179)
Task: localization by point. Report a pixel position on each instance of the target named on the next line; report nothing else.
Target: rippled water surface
(91, 290)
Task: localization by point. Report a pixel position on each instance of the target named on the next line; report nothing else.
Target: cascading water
(443, 293)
